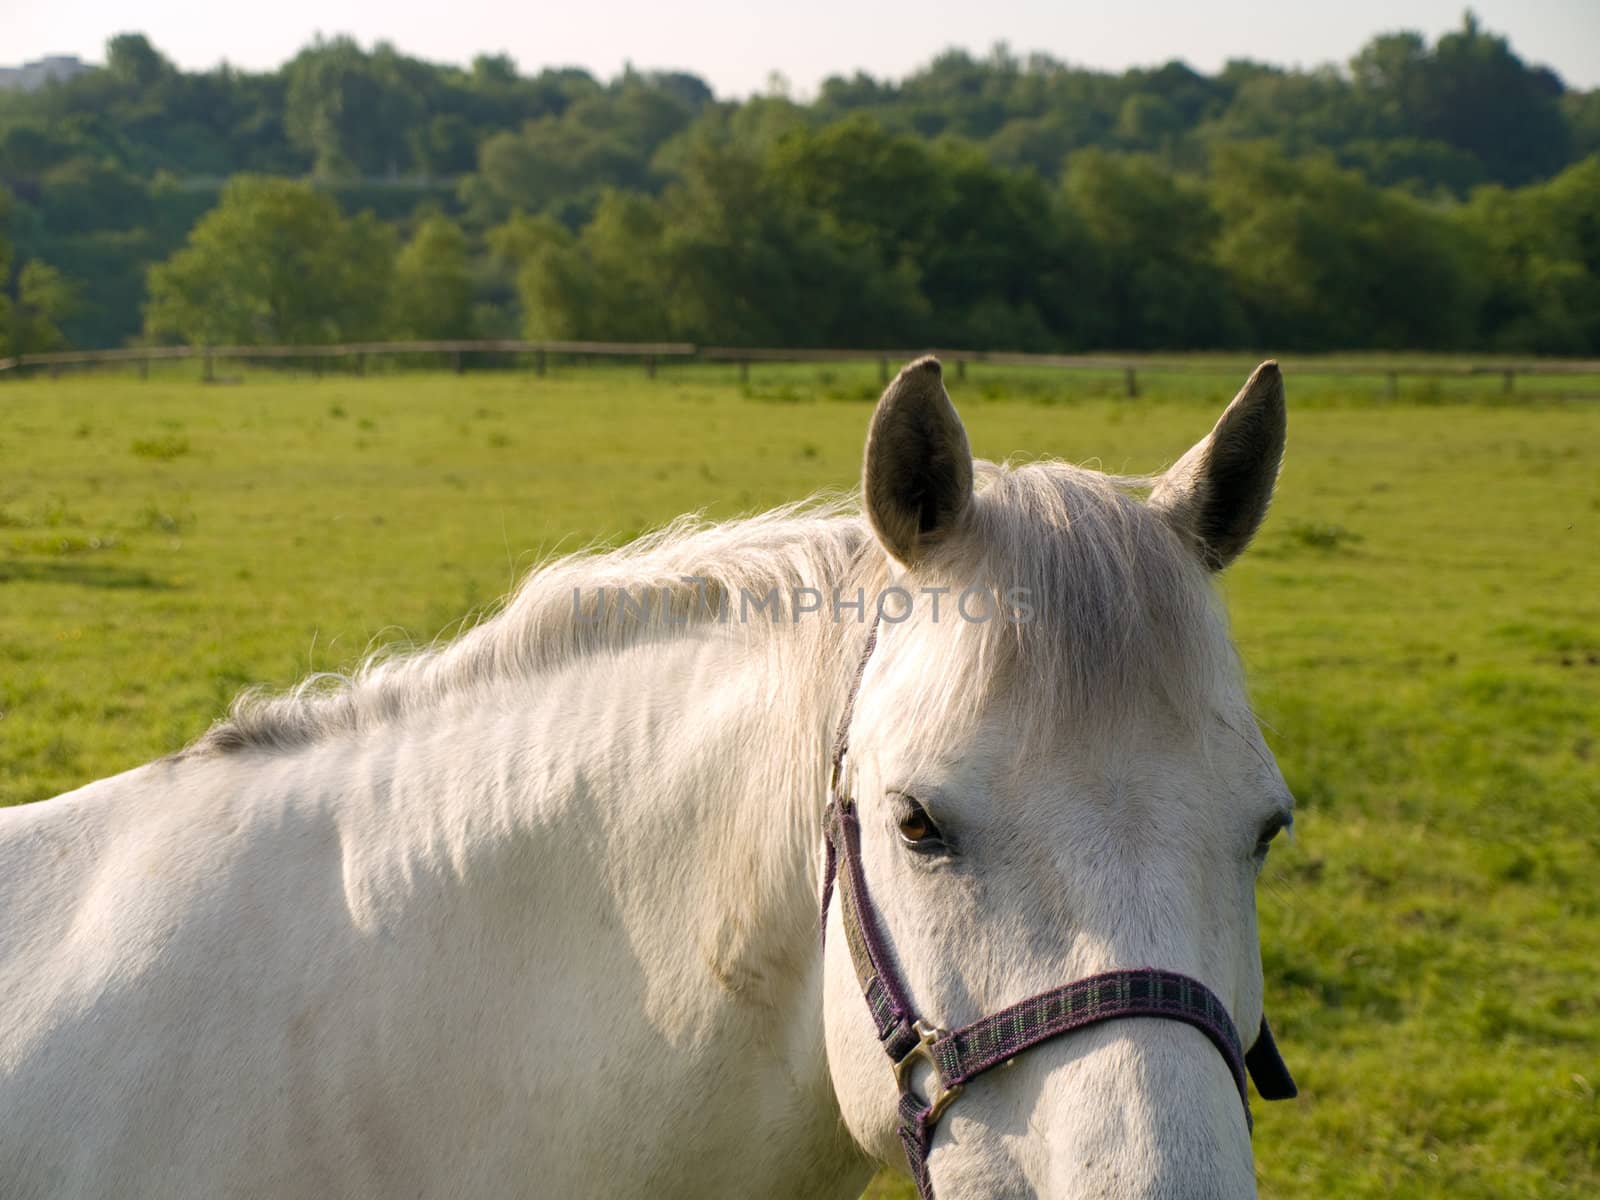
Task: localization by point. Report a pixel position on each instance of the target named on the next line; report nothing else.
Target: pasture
(1420, 621)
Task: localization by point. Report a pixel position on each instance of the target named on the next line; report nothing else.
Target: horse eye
(1273, 827)
(917, 829)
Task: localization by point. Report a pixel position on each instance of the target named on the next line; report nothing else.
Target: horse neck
(722, 830)
(688, 773)
(647, 826)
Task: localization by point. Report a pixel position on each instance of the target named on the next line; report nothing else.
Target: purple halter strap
(960, 1056)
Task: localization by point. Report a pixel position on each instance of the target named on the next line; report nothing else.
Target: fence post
(458, 362)
(538, 362)
(1510, 380)
(144, 368)
(961, 368)
(207, 375)
(650, 366)
(1394, 384)
(744, 370)
(361, 364)
(1130, 383)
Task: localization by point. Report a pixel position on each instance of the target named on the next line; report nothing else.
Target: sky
(737, 45)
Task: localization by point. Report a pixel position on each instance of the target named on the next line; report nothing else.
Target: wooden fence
(651, 353)
(1130, 367)
(143, 356)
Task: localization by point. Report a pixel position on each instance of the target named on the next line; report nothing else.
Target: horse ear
(917, 479)
(1217, 494)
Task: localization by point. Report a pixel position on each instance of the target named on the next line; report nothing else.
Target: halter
(958, 1057)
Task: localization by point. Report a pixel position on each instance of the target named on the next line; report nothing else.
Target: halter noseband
(958, 1057)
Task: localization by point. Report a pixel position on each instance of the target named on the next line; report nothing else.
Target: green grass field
(1420, 619)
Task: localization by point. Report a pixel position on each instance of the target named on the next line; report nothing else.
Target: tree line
(1441, 196)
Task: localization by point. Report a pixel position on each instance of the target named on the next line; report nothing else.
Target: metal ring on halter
(927, 1036)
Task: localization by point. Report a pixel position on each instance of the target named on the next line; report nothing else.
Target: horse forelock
(1113, 611)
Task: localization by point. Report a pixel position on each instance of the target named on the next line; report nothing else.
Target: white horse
(535, 913)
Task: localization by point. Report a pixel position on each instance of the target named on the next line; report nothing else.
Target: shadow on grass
(80, 574)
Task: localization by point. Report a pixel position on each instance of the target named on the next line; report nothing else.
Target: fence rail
(652, 352)
(360, 351)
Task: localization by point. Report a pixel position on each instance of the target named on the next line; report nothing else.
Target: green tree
(606, 283)
(955, 206)
(522, 236)
(1470, 92)
(963, 252)
(431, 296)
(747, 261)
(131, 59)
(35, 302)
(557, 285)
(354, 112)
(1304, 112)
(725, 255)
(85, 195)
(602, 140)
(447, 145)
(1542, 262)
(44, 297)
(5, 272)
(274, 262)
(28, 150)
(1583, 115)
(1320, 258)
(549, 160)
(1041, 143)
(1155, 279)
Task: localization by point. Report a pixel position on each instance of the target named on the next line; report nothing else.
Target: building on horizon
(52, 68)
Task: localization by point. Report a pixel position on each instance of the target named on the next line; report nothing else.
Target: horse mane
(1118, 600)
(542, 628)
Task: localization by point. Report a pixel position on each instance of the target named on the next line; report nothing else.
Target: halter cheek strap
(959, 1057)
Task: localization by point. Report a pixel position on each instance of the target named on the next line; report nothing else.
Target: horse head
(1052, 776)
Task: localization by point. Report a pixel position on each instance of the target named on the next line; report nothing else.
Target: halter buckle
(940, 1100)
